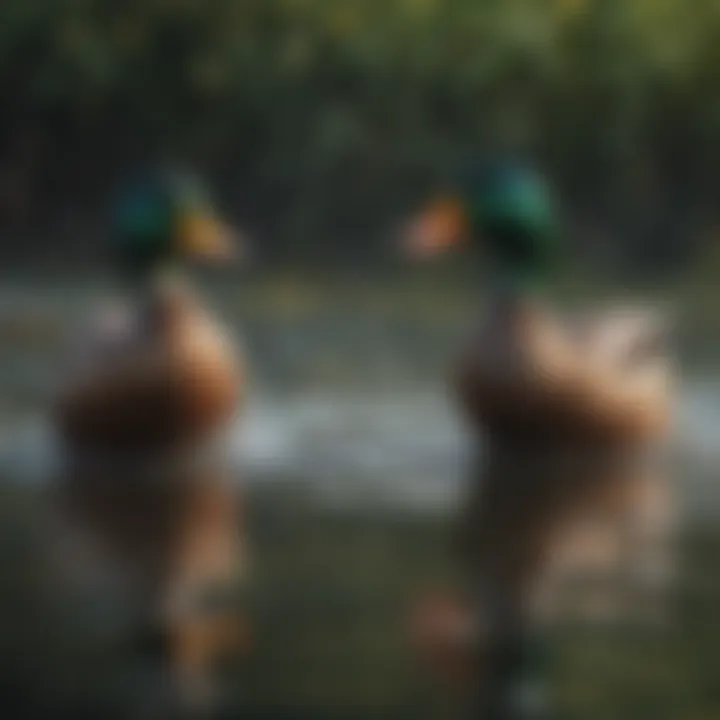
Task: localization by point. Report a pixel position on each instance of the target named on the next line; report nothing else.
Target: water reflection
(406, 449)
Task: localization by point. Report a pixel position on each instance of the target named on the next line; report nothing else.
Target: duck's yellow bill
(205, 237)
(438, 228)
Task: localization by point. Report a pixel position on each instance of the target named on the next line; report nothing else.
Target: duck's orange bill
(205, 237)
(438, 228)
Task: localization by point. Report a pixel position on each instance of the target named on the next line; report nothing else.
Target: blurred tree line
(320, 121)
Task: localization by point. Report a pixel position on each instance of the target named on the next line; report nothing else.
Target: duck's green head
(506, 209)
(166, 219)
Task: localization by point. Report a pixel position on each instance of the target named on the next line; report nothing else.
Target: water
(351, 405)
(403, 448)
(347, 395)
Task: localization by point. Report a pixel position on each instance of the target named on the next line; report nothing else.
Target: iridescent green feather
(513, 214)
(145, 219)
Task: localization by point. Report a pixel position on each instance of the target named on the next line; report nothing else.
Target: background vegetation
(320, 120)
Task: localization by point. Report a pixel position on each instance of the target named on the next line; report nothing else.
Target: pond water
(405, 449)
(347, 396)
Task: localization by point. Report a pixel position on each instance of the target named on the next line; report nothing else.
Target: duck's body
(572, 419)
(150, 389)
(525, 371)
(141, 415)
(569, 508)
(153, 375)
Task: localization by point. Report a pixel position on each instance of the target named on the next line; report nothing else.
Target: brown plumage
(571, 419)
(527, 373)
(567, 510)
(153, 378)
(569, 414)
(149, 388)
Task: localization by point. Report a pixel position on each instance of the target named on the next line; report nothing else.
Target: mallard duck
(149, 388)
(569, 408)
(153, 372)
(591, 376)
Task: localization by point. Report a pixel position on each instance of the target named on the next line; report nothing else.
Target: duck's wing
(106, 371)
(610, 377)
(621, 337)
(624, 372)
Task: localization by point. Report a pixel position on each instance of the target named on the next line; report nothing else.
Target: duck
(148, 389)
(569, 413)
(593, 375)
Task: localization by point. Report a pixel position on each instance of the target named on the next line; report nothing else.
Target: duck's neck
(521, 269)
(156, 293)
(514, 302)
(144, 281)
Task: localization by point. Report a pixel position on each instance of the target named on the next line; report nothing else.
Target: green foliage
(324, 101)
(244, 50)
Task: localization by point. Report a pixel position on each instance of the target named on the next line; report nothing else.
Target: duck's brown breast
(170, 385)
